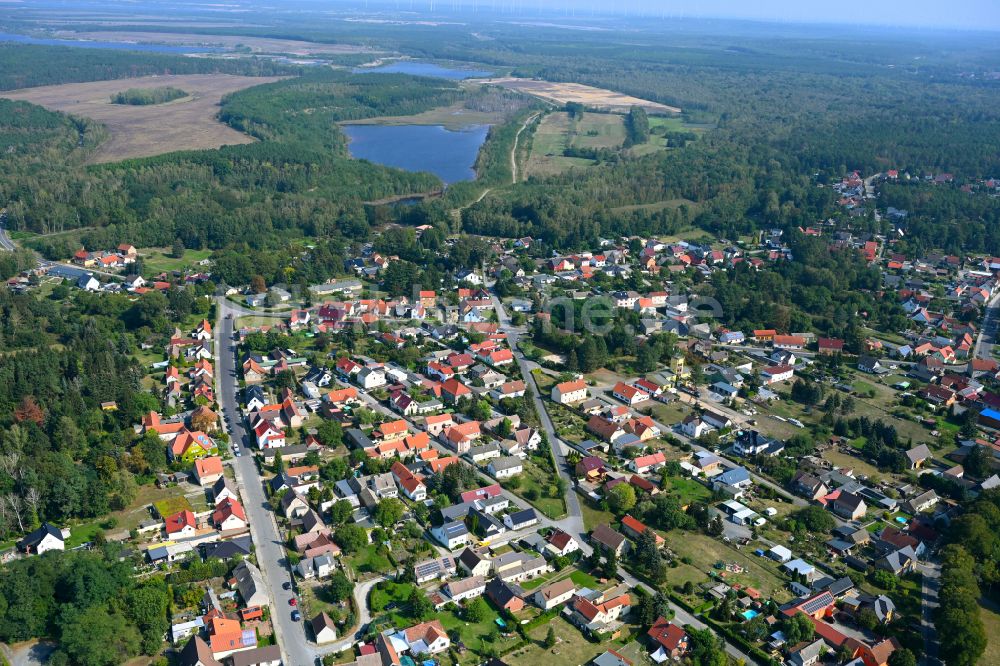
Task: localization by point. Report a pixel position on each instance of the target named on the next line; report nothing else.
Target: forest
(64, 457)
(147, 96)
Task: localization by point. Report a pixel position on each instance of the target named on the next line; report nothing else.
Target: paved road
(987, 331)
(270, 548)
(930, 583)
(5, 242)
(573, 523)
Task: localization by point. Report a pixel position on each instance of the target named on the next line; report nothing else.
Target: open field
(551, 138)
(454, 117)
(561, 93)
(159, 259)
(571, 647)
(188, 123)
(240, 42)
(705, 551)
(599, 130)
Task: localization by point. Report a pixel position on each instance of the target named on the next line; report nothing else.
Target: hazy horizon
(957, 15)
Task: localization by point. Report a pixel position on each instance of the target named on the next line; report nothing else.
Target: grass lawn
(473, 634)
(389, 592)
(158, 259)
(669, 414)
(593, 515)
(171, 505)
(368, 560)
(991, 621)
(682, 573)
(571, 647)
(537, 482)
(314, 599)
(687, 490)
(584, 579)
(705, 551)
(859, 465)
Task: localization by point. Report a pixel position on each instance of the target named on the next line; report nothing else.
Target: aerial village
(451, 484)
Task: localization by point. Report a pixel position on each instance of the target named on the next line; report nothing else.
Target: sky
(948, 14)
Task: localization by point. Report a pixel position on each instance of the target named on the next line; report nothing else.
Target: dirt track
(142, 131)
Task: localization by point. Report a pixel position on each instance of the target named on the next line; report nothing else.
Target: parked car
(296, 616)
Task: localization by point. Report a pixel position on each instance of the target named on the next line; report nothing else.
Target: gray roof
(505, 463)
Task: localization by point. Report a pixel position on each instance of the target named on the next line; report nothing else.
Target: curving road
(573, 523)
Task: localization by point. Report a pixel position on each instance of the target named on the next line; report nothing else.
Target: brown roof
(604, 535)
(197, 652)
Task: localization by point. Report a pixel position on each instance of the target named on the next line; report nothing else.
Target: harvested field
(188, 123)
(255, 44)
(561, 93)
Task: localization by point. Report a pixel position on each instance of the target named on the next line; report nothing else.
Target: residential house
(554, 594)
(519, 520)
(437, 568)
(567, 393)
(208, 470)
(504, 468)
(229, 515)
(630, 395)
(465, 588)
(505, 596)
(475, 562)
(45, 538)
(648, 463)
(451, 535)
(181, 524)
(671, 640)
(849, 506)
(605, 537)
(250, 584)
(323, 628)
(561, 543)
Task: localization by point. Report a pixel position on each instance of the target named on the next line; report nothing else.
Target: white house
(45, 538)
(519, 520)
(466, 588)
(693, 426)
(323, 628)
(569, 392)
(506, 467)
(370, 378)
(777, 373)
(451, 535)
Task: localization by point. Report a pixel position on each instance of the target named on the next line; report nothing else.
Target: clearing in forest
(189, 123)
(597, 98)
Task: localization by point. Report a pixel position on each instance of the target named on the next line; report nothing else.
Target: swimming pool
(749, 614)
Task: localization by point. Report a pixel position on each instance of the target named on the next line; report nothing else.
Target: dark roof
(32, 540)
(197, 652)
(225, 550)
(261, 655)
(470, 558)
(501, 593)
(320, 622)
(524, 516)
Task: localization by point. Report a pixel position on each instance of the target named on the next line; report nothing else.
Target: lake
(117, 46)
(423, 69)
(448, 154)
